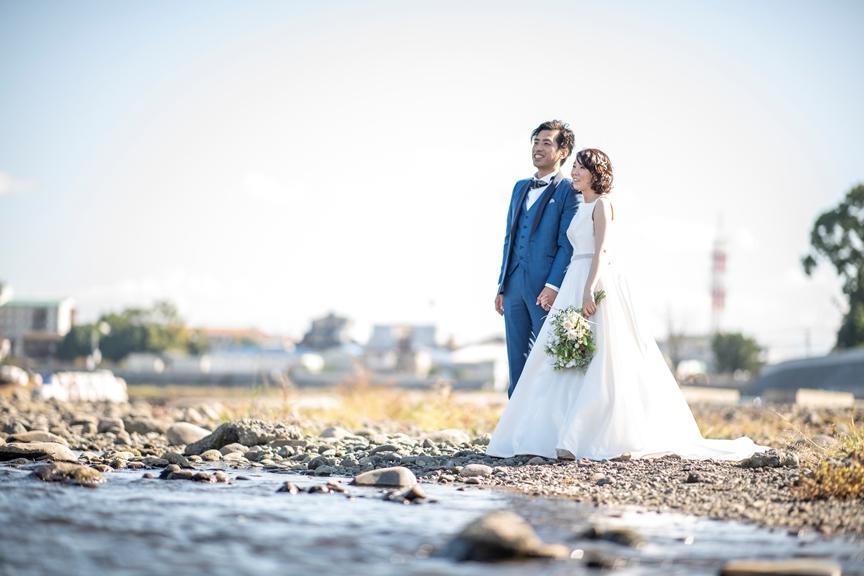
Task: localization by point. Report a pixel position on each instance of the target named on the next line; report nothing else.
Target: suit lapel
(520, 204)
(544, 200)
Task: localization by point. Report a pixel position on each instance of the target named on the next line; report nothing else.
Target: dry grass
(390, 409)
(841, 473)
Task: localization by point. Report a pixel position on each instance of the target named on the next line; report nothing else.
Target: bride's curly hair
(598, 163)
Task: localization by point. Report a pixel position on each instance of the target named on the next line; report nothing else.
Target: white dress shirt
(534, 194)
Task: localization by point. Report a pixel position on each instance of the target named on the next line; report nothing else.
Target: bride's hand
(588, 304)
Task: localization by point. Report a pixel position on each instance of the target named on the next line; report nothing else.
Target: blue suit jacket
(549, 251)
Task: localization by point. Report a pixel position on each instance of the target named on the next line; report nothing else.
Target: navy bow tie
(537, 184)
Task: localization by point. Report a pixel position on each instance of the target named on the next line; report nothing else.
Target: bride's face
(581, 177)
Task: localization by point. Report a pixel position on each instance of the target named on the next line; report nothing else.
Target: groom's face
(545, 152)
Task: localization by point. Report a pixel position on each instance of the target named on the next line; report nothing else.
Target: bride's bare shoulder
(603, 208)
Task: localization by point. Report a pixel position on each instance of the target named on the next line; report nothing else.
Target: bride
(626, 400)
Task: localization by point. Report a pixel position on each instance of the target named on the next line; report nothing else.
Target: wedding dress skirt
(626, 401)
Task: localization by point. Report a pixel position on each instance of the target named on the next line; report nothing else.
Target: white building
(35, 327)
(401, 348)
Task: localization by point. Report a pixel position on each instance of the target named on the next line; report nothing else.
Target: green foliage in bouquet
(571, 342)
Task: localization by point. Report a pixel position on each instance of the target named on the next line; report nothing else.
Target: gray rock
(289, 487)
(248, 432)
(500, 536)
(175, 458)
(211, 456)
(234, 457)
(798, 567)
(69, 473)
(623, 536)
(183, 433)
(384, 448)
(771, 459)
(396, 477)
(202, 477)
(407, 495)
(37, 436)
(142, 425)
(235, 447)
(452, 436)
(110, 425)
(36, 451)
(478, 470)
(536, 461)
(320, 461)
(155, 462)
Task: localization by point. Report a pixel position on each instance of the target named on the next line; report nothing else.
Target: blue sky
(263, 163)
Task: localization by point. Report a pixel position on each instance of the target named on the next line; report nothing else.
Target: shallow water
(133, 525)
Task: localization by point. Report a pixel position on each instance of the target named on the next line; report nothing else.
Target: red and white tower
(718, 282)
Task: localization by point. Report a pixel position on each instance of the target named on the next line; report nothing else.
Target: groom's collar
(548, 178)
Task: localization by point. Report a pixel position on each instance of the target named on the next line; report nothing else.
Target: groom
(536, 248)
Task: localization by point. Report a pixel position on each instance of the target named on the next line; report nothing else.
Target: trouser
(523, 319)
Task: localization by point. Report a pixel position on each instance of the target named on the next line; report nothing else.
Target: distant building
(34, 328)
(234, 338)
(401, 348)
(688, 355)
(331, 331)
(5, 293)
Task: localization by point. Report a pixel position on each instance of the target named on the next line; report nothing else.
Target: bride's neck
(590, 195)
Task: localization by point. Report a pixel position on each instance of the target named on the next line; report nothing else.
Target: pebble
(398, 477)
(69, 473)
(499, 536)
(472, 470)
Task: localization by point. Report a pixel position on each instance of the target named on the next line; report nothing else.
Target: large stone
(114, 425)
(396, 477)
(38, 436)
(248, 432)
(174, 458)
(500, 536)
(185, 433)
(476, 470)
(798, 567)
(452, 436)
(622, 536)
(211, 456)
(36, 451)
(771, 459)
(142, 425)
(70, 473)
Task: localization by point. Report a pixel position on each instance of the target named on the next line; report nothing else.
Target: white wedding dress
(626, 400)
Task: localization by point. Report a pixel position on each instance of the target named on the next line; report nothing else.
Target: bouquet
(571, 343)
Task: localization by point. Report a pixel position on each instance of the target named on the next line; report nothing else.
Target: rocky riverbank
(190, 442)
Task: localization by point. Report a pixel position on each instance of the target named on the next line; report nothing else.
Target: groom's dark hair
(566, 138)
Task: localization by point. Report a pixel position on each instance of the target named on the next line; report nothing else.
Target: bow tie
(537, 184)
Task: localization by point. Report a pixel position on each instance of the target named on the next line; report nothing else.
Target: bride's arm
(602, 218)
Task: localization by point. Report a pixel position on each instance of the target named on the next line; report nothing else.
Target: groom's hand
(499, 304)
(547, 298)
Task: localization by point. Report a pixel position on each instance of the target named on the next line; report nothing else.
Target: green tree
(733, 351)
(838, 237)
(77, 343)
